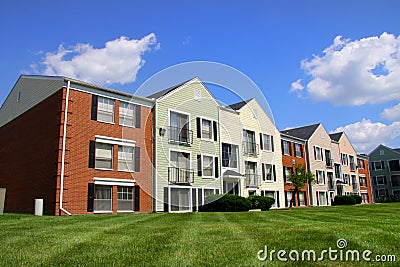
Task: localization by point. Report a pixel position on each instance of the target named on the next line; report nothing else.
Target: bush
(357, 198)
(226, 202)
(344, 200)
(260, 202)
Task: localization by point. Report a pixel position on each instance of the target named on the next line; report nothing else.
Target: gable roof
(304, 132)
(397, 149)
(336, 136)
(168, 90)
(239, 105)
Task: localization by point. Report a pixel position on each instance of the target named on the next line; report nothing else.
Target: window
(126, 114)
(394, 165)
(378, 165)
(103, 198)
(266, 142)
(298, 150)
(344, 159)
(125, 158)
(179, 128)
(286, 148)
(364, 197)
(331, 182)
(288, 198)
(208, 166)
(363, 181)
(105, 109)
(381, 192)
(322, 198)
(180, 199)
(338, 171)
(206, 129)
(249, 142)
(328, 158)
(274, 195)
(207, 192)
(360, 164)
(346, 179)
(252, 179)
(318, 153)
(287, 172)
(179, 170)
(352, 163)
(230, 156)
(320, 176)
(104, 156)
(268, 172)
(395, 180)
(380, 180)
(302, 198)
(125, 198)
(381, 152)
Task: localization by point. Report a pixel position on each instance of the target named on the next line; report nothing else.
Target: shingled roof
(336, 136)
(304, 132)
(168, 90)
(239, 105)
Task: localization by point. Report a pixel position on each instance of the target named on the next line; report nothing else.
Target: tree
(299, 178)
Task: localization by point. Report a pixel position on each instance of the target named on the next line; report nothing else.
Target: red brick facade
(33, 143)
(364, 169)
(290, 161)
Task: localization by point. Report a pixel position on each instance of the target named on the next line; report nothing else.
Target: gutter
(63, 152)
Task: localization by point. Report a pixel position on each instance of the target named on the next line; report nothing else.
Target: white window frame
(344, 156)
(317, 175)
(203, 196)
(121, 103)
(190, 209)
(133, 198)
(383, 179)
(112, 157)
(288, 200)
(103, 211)
(99, 98)
(346, 181)
(288, 147)
(303, 193)
(374, 165)
(237, 156)
(326, 198)
(295, 151)
(213, 165)
(391, 180)
(265, 144)
(133, 159)
(362, 177)
(389, 164)
(211, 129)
(188, 123)
(321, 158)
(180, 151)
(285, 168)
(274, 206)
(264, 166)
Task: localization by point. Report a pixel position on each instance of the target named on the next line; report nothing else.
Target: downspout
(308, 168)
(63, 152)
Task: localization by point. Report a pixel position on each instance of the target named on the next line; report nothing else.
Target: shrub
(344, 200)
(261, 202)
(226, 202)
(357, 198)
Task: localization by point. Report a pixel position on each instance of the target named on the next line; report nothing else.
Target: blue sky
(292, 50)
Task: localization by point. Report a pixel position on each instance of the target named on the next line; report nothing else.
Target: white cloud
(355, 72)
(366, 135)
(117, 62)
(392, 113)
(296, 86)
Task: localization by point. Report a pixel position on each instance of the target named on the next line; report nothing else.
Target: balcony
(253, 180)
(331, 185)
(180, 175)
(353, 167)
(329, 163)
(250, 148)
(180, 135)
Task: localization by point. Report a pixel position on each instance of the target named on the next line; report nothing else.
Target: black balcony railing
(180, 135)
(250, 148)
(329, 163)
(253, 180)
(180, 176)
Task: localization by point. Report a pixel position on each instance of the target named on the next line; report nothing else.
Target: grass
(197, 239)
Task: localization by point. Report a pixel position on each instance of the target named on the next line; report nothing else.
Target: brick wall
(28, 157)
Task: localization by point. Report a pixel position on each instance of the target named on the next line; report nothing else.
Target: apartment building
(384, 165)
(293, 153)
(79, 147)
(186, 147)
(260, 156)
(364, 178)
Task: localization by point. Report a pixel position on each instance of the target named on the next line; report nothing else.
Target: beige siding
(182, 100)
(32, 91)
(346, 148)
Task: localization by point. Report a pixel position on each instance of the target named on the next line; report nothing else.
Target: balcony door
(179, 170)
(251, 173)
(249, 142)
(179, 127)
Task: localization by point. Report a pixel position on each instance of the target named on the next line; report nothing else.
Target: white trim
(326, 196)
(323, 175)
(114, 141)
(119, 114)
(201, 129)
(376, 179)
(315, 153)
(202, 166)
(190, 199)
(270, 142)
(188, 122)
(113, 181)
(388, 166)
(237, 157)
(202, 192)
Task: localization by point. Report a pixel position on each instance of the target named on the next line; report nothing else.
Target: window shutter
(263, 171)
(274, 172)
(216, 167)
(277, 199)
(217, 191)
(317, 199)
(286, 199)
(198, 122)
(92, 153)
(166, 199)
(315, 153)
(94, 107)
(383, 165)
(290, 148)
(261, 141)
(374, 180)
(137, 159)
(283, 150)
(137, 198)
(384, 180)
(194, 199)
(199, 168)
(272, 143)
(263, 193)
(199, 199)
(90, 202)
(215, 131)
(137, 116)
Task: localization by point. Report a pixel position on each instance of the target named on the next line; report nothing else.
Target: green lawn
(198, 239)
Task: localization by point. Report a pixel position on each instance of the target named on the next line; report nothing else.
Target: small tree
(299, 178)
